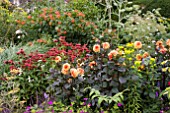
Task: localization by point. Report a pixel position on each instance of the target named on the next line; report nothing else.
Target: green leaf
(94, 96)
(114, 90)
(100, 101)
(152, 95)
(122, 79)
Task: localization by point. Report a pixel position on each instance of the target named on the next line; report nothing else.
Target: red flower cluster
(68, 50)
(71, 51)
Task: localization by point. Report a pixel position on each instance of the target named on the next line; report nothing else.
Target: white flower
(19, 37)
(18, 32)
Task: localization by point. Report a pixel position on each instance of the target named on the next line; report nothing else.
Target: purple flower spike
(157, 94)
(50, 102)
(119, 104)
(46, 95)
(85, 99)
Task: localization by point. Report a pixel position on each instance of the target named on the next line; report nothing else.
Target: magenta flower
(161, 111)
(70, 111)
(84, 103)
(82, 111)
(28, 108)
(85, 99)
(119, 104)
(89, 105)
(50, 102)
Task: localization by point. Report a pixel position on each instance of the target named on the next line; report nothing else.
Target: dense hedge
(154, 4)
(163, 4)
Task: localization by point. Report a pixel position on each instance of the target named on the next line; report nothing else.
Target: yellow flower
(152, 59)
(164, 69)
(130, 59)
(160, 20)
(129, 51)
(14, 71)
(138, 63)
(164, 62)
(10, 78)
(129, 45)
(1, 50)
(169, 69)
(120, 47)
(133, 67)
(121, 52)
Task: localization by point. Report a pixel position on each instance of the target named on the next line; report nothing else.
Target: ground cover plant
(60, 57)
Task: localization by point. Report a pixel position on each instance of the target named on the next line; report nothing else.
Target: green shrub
(8, 25)
(86, 6)
(163, 4)
(57, 23)
(154, 4)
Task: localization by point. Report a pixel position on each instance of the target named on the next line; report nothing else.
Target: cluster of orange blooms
(66, 68)
(73, 71)
(139, 56)
(105, 45)
(161, 47)
(41, 41)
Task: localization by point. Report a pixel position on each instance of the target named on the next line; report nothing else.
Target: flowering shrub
(33, 68)
(125, 65)
(57, 23)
